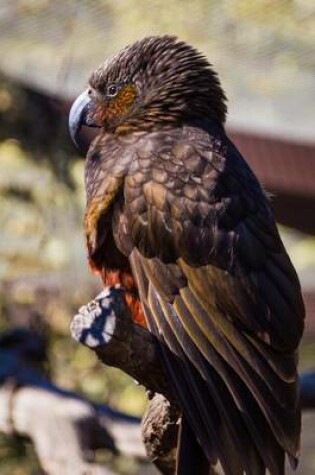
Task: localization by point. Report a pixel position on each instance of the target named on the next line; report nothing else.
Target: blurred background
(264, 52)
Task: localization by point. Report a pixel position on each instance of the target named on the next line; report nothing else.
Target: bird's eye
(112, 90)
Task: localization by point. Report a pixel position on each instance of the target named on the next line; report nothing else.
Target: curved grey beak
(78, 116)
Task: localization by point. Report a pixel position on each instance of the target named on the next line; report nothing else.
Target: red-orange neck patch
(119, 106)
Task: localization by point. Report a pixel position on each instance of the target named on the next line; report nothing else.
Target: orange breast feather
(125, 279)
(104, 257)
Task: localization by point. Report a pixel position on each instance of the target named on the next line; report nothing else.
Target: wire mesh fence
(264, 51)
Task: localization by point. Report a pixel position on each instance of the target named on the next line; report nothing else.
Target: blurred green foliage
(17, 457)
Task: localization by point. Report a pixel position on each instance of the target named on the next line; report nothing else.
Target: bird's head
(152, 83)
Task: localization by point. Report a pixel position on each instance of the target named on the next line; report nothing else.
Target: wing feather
(219, 291)
(204, 405)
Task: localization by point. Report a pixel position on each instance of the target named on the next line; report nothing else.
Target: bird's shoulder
(190, 194)
(109, 158)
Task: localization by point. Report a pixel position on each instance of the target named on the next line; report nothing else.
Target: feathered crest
(174, 80)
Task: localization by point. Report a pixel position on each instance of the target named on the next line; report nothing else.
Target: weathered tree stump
(160, 426)
(105, 326)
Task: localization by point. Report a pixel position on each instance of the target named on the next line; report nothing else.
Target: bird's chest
(106, 167)
(98, 214)
(104, 187)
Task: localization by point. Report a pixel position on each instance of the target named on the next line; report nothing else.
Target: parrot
(176, 217)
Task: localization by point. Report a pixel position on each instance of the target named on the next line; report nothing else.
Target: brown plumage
(177, 217)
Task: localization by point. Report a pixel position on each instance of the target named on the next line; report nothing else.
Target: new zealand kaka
(177, 218)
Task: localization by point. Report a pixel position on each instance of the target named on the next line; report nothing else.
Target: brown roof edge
(282, 166)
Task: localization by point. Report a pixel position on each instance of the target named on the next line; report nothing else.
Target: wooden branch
(64, 427)
(60, 428)
(105, 326)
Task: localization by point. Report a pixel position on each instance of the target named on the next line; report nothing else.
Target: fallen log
(64, 427)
